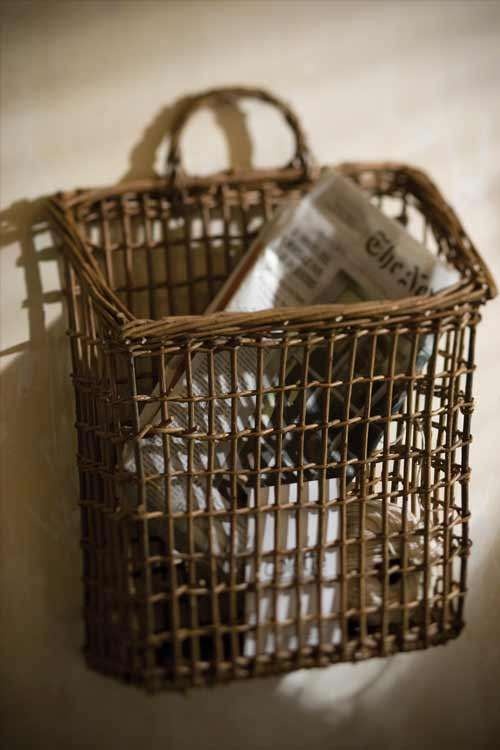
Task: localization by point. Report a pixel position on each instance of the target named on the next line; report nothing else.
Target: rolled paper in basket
(335, 246)
(277, 573)
(185, 485)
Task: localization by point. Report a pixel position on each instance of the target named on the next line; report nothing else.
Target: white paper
(334, 246)
(288, 542)
(336, 231)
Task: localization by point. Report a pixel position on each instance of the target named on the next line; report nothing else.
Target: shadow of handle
(301, 159)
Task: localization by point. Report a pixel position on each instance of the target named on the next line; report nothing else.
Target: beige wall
(85, 98)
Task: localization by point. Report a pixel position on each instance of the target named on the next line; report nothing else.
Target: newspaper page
(334, 246)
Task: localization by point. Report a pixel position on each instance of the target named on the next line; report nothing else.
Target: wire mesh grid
(301, 496)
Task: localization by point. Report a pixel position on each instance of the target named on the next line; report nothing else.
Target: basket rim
(476, 286)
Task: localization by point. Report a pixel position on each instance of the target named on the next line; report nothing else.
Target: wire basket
(198, 570)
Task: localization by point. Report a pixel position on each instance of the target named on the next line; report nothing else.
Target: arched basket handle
(301, 158)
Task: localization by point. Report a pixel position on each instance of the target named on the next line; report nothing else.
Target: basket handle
(301, 159)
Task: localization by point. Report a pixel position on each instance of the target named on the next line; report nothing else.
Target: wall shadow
(37, 437)
(41, 590)
(229, 117)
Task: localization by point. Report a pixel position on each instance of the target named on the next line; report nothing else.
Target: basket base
(159, 678)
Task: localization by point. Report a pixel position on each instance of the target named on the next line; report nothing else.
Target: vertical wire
(146, 623)
(441, 427)
(258, 511)
(385, 469)
(343, 503)
(364, 491)
(119, 549)
(128, 253)
(299, 582)
(410, 426)
(90, 496)
(74, 288)
(234, 508)
(457, 441)
(426, 474)
(277, 512)
(95, 456)
(107, 244)
(188, 249)
(243, 206)
(449, 486)
(465, 468)
(193, 582)
(226, 218)
(417, 437)
(166, 216)
(168, 510)
(150, 249)
(324, 496)
(216, 618)
(205, 219)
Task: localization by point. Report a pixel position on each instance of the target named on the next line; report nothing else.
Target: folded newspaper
(334, 246)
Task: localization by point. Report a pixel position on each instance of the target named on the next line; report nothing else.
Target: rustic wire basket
(142, 262)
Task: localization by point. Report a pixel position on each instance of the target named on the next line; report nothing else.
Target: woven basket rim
(476, 286)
